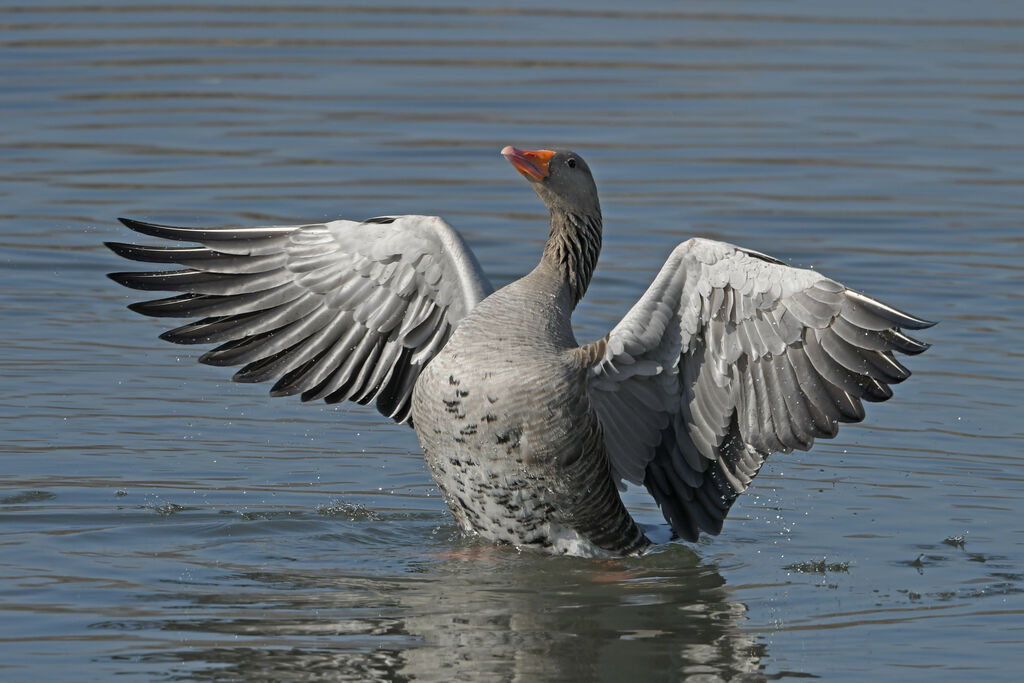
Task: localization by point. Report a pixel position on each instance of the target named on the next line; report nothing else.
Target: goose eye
(571, 162)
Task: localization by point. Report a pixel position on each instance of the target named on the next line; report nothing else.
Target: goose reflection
(563, 619)
(480, 614)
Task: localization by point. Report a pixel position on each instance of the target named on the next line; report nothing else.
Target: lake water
(158, 522)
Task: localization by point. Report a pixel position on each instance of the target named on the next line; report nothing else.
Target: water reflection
(479, 614)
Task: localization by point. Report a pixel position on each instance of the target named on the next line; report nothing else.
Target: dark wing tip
(910, 322)
(123, 279)
(887, 312)
(162, 280)
(141, 226)
(904, 343)
(168, 232)
(131, 252)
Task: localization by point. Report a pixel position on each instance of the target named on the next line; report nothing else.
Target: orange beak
(533, 164)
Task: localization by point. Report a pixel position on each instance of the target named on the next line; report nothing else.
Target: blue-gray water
(160, 523)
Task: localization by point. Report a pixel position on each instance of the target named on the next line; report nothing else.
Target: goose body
(729, 356)
(508, 430)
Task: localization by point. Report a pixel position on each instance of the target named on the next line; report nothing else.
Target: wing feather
(334, 311)
(750, 357)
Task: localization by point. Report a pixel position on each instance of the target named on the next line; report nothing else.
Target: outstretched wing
(335, 311)
(728, 357)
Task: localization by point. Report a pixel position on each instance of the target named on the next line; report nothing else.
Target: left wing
(728, 357)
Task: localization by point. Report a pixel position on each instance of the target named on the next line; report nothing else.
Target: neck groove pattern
(573, 247)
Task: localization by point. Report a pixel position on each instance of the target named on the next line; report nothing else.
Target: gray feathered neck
(573, 248)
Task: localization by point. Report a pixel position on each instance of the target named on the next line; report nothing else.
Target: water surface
(159, 522)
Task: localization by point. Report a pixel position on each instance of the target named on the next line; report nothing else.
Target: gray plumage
(728, 357)
(338, 311)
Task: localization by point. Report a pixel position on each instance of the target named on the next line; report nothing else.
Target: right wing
(335, 311)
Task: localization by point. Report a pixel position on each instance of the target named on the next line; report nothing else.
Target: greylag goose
(729, 356)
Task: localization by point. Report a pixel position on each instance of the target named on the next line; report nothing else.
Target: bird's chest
(495, 424)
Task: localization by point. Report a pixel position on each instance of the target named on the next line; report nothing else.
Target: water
(161, 523)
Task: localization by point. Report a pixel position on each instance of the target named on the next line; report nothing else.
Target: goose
(729, 356)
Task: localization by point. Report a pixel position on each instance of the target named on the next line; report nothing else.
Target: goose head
(561, 178)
